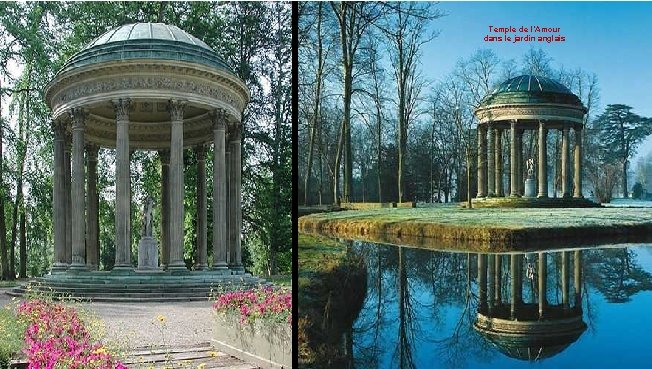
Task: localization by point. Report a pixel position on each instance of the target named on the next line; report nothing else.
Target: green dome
(528, 89)
(146, 41)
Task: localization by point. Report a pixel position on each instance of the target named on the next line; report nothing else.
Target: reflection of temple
(537, 324)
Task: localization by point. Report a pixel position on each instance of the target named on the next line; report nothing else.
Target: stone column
(514, 285)
(236, 204)
(59, 199)
(543, 161)
(482, 161)
(230, 255)
(77, 191)
(565, 163)
(513, 161)
(482, 282)
(491, 165)
(578, 163)
(67, 180)
(577, 263)
(92, 213)
(519, 162)
(491, 279)
(202, 227)
(498, 152)
(219, 191)
(122, 186)
(498, 277)
(164, 156)
(176, 109)
(565, 279)
(543, 286)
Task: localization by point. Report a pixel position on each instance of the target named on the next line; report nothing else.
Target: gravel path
(184, 323)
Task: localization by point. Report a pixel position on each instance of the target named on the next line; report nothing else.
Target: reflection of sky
(618, 334)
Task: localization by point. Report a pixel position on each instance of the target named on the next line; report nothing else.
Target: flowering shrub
(57, 338)
(11, 335)
(264, 303)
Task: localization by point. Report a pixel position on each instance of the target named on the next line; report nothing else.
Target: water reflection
(536, 327)
(444, 309)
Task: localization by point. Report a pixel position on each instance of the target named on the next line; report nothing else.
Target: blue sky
(612, 40)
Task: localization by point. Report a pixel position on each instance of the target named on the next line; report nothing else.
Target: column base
(542, 196)
(201, 267)
(122, 269)
(177, 266)
(237, 269)
(78, 267)
(220, 266)
(59, 268)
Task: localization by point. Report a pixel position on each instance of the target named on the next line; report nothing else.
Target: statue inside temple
(148, 207)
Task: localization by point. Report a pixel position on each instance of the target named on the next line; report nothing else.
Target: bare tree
(321, 55)
(406, 28)
(354, 20)
(537, 62)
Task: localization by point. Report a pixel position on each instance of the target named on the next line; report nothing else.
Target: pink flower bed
(56, 338)
(262, 303)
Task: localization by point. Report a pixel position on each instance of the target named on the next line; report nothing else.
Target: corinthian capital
(121, 108)
(218, 117)
(176, 108)
(78, 116)
(235, 132)
(59, 130)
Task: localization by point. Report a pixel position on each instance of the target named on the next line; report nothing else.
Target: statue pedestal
(147, 254)
(530, 188)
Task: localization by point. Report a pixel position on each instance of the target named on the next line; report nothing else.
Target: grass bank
(451, 227)
(332, 285)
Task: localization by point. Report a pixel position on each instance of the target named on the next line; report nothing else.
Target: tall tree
(621, 131)
(354, 20)
(406, 28)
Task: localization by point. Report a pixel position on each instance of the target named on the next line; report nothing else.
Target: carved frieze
(133, 82)
(496, 113)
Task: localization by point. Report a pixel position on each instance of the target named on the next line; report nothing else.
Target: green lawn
(509, 226)
(513, 218)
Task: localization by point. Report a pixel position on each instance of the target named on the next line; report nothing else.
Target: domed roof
(146, 41)
(530, 89)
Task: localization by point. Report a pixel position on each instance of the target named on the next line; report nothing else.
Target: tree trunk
(469, 204)
(3, 227)
(336, 171)
(23, 245)
(379, 153)
(316, 108)
(311, 147)
(625, 194)
(346, 125)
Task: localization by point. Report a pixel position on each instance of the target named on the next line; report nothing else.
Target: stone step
(202, 355)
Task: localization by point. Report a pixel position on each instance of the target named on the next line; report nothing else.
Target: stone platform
(532, 202)
(137, 286)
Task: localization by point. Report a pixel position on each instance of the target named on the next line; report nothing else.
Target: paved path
(140, 326)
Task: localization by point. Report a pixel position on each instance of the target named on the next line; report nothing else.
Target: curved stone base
(527, 202)
(136, 286)
(531, 339)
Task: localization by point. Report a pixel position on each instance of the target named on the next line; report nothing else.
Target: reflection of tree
(463, 342)
(616, 274)
(329, 305)
(406, 327)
